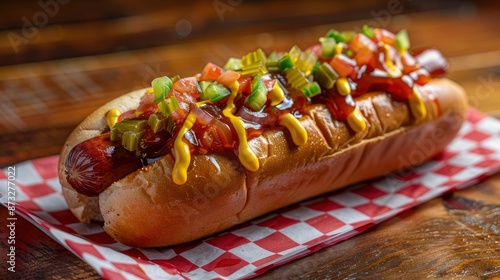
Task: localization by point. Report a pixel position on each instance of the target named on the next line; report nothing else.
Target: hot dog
(193, 156)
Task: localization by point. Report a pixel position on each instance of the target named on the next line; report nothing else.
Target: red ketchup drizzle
(370, 74)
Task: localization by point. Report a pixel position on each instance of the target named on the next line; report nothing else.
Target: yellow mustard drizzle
(356, 120)
(393, 71)
(277, 95)
(182, 154)
(339, 48)
(112, 117)
(246, 156)
(416, 102)
(297, 130)
(343, 86)
(417, 106)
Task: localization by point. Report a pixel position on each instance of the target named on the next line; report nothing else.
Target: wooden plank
(112, 27)
(40, 257)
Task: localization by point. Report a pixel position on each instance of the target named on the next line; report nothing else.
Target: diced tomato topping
(342, 66)
(145, 111)
(228, 78)
(147, 98)
(179, 115)
(361, 41)
(185, 101)
(187, 86)
(385, 36)
(146, 106)
(210, 72)
(316, 49)
(365, 56)
(245, 84)
(268, 82)
(420, 76)
(183, 98)
(212, 132)
(408, 62)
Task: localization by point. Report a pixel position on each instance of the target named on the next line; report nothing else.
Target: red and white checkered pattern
(256, 246)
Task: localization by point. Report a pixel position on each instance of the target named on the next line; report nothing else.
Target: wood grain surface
(90, 52)
(454, 237)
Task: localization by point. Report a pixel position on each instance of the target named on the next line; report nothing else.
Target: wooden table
(77, 60)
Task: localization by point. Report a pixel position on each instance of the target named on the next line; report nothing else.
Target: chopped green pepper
(295, 53)
(114, 134)
(402, 40)
(326, 76)
(286, 62)
(175, 78)
(348, 35)
(368, 31)
(157, 122)
(254, 63)
(306, 62)
(131, 140)
(339, 37)
(316, 67)
(311, 89)
(327, 46)
(130, 125)
(168, 106)
(273, 56)
(130, 131)
(257, 69)
(161, 87)
(253, 57)
(204, 84)
(257, 99)
(170, 125)
(214, 92)
(296, 78)
(272, 63)
(233, 64)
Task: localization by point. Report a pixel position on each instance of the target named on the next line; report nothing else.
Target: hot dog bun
(86, 208)
(147, 209)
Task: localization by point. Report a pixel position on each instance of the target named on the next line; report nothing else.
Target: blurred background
(62, 59)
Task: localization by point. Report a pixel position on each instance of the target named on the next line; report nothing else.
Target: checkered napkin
(254, 247)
